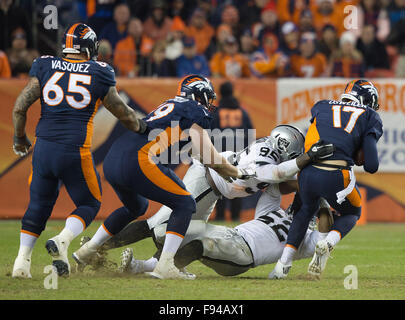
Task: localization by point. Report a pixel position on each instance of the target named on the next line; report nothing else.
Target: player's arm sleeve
(273, 173)
(370, 153)
(106, 79)
(373, 133)
(35, 68)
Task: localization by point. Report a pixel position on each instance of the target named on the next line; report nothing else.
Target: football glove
(247, 173)
(320, 151)
(21, 145)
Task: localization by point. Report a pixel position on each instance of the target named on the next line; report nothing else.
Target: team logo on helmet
(87, 33)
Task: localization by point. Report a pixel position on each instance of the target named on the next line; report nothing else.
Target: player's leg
(309, 185)
(196, 183)
(134, 206)
(44, 191)
(349, 213)
(82, 183)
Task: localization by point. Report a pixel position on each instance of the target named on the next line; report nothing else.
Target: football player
(71, 89)
(351, 124)
(136, 171)
(275, 159)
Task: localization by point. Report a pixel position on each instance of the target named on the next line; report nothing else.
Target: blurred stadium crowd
(217, 38)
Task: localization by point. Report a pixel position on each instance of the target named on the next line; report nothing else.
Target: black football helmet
(363, 92)
(80, 38)
(198, 88)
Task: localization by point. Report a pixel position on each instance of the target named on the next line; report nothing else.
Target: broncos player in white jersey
(276, 159)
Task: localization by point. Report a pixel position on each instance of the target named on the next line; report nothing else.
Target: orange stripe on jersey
(90, 126)
(30, 233)
(69, 36)
(151, 170)
(312, 136)
(89, 172)
(32, 169)
(354, 197)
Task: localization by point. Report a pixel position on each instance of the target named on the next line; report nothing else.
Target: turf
(376, 250)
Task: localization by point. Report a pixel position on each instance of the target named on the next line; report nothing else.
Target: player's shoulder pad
(103, 66)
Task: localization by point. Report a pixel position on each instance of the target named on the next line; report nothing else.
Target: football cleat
(58, 248)
(280, 271)
(127, 256)
(318, 263)
(165, 269)
(21, 269)
(84, 256)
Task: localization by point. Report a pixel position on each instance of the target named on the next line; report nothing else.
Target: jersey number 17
(355, 114)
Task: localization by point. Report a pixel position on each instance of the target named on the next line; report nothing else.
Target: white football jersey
(259, 154)
(266, 236)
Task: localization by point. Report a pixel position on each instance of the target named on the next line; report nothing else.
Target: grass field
(377, 251)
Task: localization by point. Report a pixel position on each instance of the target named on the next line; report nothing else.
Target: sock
(333, 237)
(101, 236)
(172, 243)
(323, 235)
(73, 227)
(288, 255)
(148, 265)
(27, 242)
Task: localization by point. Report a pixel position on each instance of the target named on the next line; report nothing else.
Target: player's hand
(247, 173)
(142, 126)
(21, 145)
(319, 151)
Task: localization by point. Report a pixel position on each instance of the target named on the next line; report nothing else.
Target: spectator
(308, 63)
(250, 12)
(105, 52)
(396, 11)
(229, 63)
(174, 44)
(20, 58)
(397, 38)
(269, 22)
(326, 13)
(190, 62)
(329, 42)
(131, 51)
(232, 118)
(96, 13)
(374, 53)
(371, 12)
(248, 44)
(223, 32)
(347, 61)
(178, 9)
(117, 29)
(201, 31)
(158, 25)
(5, 71)
(230, 16)
(157, 65)
(306, 21)
(289, 39)
(268, 61)
(12, 17)
(291, 10)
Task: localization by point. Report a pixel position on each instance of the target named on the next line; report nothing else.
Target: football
(359, 157)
